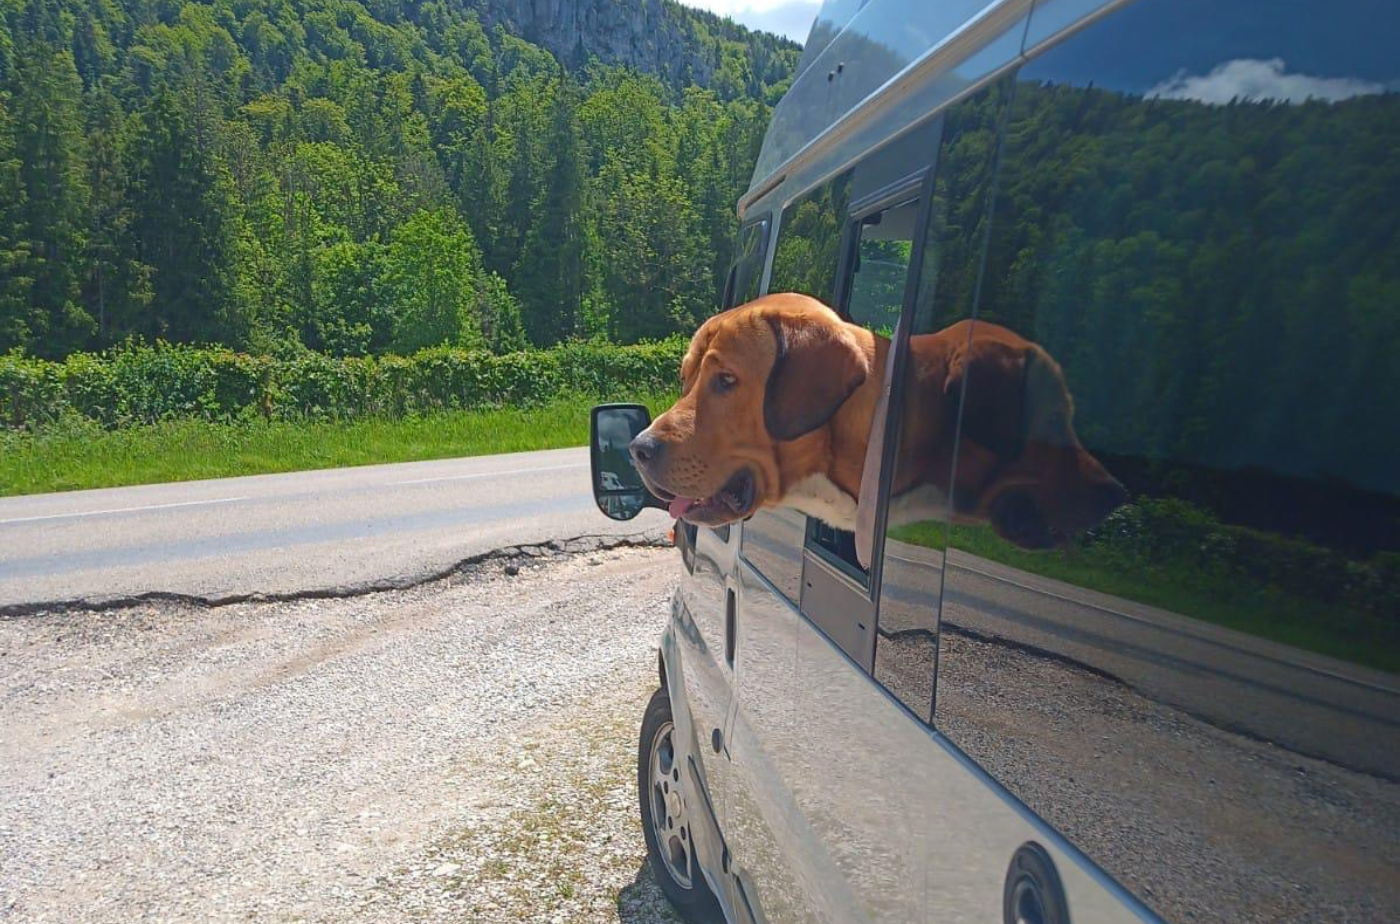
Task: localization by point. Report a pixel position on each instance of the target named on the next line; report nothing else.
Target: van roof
(873, 69)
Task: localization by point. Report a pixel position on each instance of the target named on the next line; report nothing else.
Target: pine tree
(117, 287)
(551, 263)
(184, 221)
(15, 327)
(50, 147)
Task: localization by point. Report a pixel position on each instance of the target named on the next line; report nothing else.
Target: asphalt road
(291, 533)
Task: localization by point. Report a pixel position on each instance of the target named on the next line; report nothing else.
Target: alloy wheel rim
(670, 822)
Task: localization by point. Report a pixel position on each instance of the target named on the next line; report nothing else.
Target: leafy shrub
(1169, 533)
(136, 383)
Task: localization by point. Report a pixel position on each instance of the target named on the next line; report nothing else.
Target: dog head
(1039, 484)
(756, 380)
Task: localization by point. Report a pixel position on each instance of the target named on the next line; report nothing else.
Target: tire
(670, 849)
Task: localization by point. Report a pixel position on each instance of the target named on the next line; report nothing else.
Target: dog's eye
(723, 382)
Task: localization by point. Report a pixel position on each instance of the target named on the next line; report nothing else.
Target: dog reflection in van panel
(776, 404)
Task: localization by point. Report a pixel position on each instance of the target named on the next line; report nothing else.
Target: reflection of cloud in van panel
(1253, 80)
(614, 431)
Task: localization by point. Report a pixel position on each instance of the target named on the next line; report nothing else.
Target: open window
(854, 243)
(879, 251)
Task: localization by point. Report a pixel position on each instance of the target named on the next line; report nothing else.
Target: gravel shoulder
(462, 750)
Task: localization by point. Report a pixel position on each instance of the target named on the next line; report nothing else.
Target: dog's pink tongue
(679, 505)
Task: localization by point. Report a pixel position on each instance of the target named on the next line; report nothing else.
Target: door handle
(730, 618)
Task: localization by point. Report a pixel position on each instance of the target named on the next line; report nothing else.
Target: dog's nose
(645, 448)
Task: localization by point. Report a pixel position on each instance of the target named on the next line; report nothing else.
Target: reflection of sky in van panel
(614, 431)
(1291, 51)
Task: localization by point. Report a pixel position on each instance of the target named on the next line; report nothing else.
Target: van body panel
(708, 677)
(1194, 712)
(762, 740)
(877, 44)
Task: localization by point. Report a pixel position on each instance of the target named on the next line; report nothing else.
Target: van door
(852, 779)
(709, 596)
(812, 827)
(762, 739)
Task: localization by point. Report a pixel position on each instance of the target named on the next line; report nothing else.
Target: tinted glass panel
(809, 242)
(1192, 289)
(924, 412)
(747, 274)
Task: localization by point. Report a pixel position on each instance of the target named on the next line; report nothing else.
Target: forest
(358, 178)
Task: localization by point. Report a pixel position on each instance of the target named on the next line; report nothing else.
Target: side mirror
(617, 486)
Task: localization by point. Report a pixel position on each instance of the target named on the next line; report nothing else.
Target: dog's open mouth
(729, 503)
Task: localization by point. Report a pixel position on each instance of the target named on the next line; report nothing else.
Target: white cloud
(1254, 80)
(792, 18)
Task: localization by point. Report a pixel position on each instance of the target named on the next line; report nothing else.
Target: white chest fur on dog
(817, 496)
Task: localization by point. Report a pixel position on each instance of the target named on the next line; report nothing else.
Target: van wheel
(666, 819)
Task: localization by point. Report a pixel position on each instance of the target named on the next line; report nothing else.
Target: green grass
(1231, 601)
(79, 454)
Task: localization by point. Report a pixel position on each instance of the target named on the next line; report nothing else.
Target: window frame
(843, 601)
(912, 188)
(916, 188)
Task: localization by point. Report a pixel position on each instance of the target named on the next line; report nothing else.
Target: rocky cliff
(678, 44)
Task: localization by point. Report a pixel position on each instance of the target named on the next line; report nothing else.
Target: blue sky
(786, 17)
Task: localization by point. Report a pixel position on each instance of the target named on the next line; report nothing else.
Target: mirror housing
(617, 486)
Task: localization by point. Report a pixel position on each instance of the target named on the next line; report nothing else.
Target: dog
(776, 406)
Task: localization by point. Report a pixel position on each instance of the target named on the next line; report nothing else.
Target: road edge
(548, 549)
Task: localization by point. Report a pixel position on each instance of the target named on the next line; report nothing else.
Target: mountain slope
(363, 176)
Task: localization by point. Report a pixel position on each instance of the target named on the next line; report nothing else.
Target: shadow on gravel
(642, 902)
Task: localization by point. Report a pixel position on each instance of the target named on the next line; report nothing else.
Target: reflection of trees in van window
(809, 242)
(1221, 284)
(748, 263)
(1219, 281)
(959, 215)
(1236, 270)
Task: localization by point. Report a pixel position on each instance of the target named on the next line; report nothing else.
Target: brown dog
(776, 405)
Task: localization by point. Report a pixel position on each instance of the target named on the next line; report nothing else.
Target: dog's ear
(993, 375)
(818, 366)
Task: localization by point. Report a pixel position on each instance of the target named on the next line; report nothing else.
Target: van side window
(886, 191)
(808, 252)
(1172, 601)
(746, 274)
(923, 414)
(805, 260)
(880, 241)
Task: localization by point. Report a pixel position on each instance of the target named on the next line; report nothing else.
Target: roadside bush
(1171, 534)
(137, 384)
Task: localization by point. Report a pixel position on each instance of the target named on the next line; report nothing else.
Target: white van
(1190, 712)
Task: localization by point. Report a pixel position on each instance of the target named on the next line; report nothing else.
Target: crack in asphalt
(535, 551)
